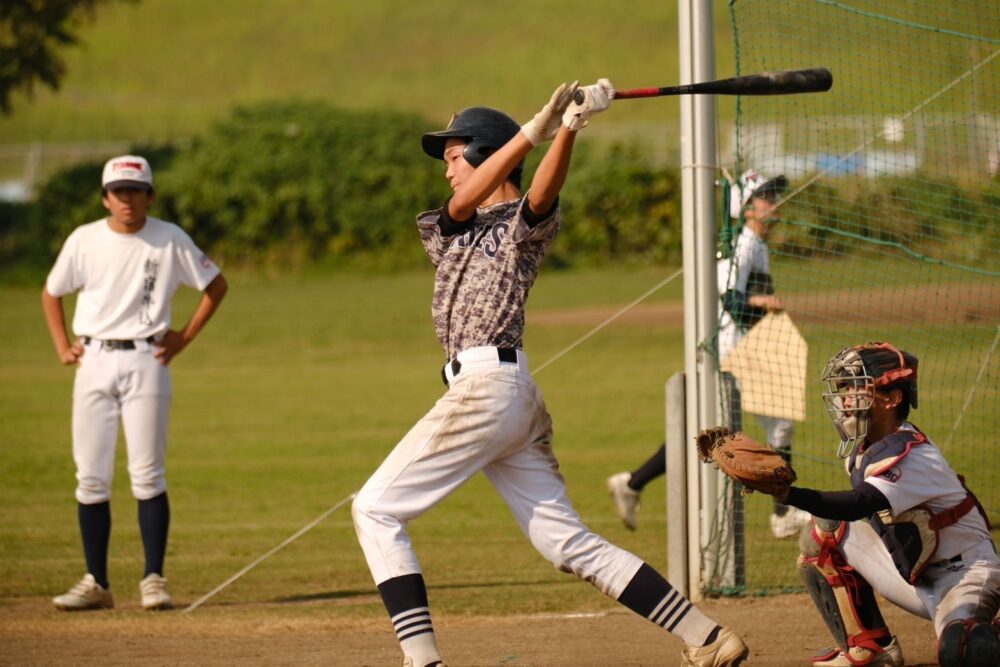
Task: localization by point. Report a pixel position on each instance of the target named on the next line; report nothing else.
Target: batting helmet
(483, 128)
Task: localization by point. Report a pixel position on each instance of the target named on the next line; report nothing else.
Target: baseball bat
(780, 82)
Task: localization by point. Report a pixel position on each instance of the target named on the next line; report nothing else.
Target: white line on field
(197, 603)
(302, 531)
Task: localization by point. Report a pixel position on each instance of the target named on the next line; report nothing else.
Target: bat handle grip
(579, 96)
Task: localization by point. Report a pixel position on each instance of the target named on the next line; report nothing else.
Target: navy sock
(154, 524)
(95, 530)
(655, 466)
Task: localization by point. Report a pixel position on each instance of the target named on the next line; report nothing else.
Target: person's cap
(127, 171)
(753, 184)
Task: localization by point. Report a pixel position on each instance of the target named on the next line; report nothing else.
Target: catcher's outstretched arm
(840, 505)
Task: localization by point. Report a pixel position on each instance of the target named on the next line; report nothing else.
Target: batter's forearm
(487, 177)
(551, 173)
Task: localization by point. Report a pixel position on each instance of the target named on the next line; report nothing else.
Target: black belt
(110, 344)
(507, 354)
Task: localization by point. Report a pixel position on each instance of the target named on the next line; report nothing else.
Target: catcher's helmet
(483, 128)
(852, 376)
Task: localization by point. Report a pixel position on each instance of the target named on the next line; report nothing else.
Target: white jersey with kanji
(127, 281)
(750, 257)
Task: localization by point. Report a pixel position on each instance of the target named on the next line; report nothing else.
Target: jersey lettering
(150, 268)
(487, 239)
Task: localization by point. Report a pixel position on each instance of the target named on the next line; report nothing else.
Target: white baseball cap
(127, 171)
(752, 183)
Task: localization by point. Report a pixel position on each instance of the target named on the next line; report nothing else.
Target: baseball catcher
(909, 528)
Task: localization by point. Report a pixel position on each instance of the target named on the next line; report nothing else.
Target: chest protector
(911, 537)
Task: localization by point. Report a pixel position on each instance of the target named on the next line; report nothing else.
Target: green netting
(889, 227)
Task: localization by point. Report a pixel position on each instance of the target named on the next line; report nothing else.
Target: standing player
(487, 242)
(746, 294)
(909, 529)
(126, 267)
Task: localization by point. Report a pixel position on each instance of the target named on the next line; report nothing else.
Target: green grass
(287, 402)
(301, 385)
(165, 69)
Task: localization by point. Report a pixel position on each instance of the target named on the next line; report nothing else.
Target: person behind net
(746, 294)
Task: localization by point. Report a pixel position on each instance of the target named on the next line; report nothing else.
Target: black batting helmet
(483, 128)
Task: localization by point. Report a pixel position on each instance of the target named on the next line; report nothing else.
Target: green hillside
(165, 69)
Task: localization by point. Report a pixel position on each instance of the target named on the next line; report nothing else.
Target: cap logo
(128, 165)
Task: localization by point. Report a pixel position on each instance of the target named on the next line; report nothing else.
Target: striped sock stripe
(671, 609)
(412, 622)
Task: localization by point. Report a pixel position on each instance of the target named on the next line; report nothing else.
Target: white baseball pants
(946, 591)
(120, 386)
(492, 418)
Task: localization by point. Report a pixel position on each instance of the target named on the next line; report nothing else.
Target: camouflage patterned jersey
(484, 271)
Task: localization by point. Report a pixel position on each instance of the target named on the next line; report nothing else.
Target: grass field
(287, 402)
(283, 407)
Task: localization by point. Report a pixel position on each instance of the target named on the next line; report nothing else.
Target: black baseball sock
(154, 524)
(405, 598)
(655, 466)
(95, 529)
(652, 596)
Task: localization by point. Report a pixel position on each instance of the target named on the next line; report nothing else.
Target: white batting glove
(596, 98)
(545, 124)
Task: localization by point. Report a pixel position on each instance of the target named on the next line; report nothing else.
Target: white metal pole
(698, 155)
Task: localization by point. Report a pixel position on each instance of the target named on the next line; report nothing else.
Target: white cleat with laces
(154, 593)
(87, 594)
(728, 650)
(626, 499)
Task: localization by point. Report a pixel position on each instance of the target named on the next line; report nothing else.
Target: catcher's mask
(484, 129)
(853, 375)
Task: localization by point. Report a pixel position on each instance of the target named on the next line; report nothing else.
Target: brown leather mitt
(757, 467)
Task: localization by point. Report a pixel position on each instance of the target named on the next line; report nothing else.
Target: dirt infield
(781, 630)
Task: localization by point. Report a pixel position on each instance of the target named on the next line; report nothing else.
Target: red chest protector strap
(952, 515)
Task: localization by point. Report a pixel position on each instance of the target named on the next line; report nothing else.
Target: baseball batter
(909, 530)
(126, 268)
(487, 242)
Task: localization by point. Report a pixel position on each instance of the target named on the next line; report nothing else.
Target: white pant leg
(484, 415)
(96, 413)
(779, 431)
(865, 551)
(535, 491)
(970, 589)
(146, 394)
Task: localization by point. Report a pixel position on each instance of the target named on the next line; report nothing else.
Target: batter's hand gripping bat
(782, 82)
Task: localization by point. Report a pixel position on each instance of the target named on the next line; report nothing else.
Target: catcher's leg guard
(969, 643)
(844, 599)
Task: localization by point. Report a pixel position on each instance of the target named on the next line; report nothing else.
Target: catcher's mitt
(757, 467)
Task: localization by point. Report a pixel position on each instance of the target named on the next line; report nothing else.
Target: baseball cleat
(154, 593)
(87, 594)
(861, 657)
(626, 499)
(790, 523)
(728, 650)
(408, 662)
